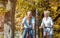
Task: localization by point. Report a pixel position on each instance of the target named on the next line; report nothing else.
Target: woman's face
(46, 14)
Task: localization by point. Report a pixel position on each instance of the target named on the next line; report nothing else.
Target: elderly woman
(28, 22)
(47, 25)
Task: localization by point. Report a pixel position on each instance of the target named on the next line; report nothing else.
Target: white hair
(45, 12)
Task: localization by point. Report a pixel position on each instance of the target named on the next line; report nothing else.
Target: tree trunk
(9, 20)
(12, 17)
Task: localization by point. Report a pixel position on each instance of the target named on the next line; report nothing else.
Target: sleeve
(23, 20)
(33, 20)
(51, 21)
(42, 23)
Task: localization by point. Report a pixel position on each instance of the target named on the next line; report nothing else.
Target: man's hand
(40, 27)
(22, 27)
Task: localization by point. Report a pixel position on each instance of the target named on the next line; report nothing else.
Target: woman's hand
(42, 27)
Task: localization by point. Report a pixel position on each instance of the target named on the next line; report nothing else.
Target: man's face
(29, 14)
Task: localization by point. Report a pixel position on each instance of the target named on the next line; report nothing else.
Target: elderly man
(47, 25)
(28, 22)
